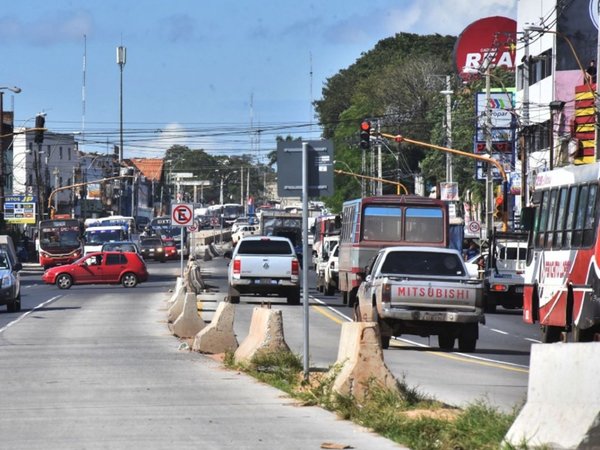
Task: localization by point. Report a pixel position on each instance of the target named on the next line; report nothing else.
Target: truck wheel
(234, 299)
(467, 341)
(446, 341)
(293, 297)
(580, 335)
(344, 298)
(357, 317)
(490, 304)
(352, 297)
(550, 334)
(385, 342)
(329, 289)
(17, 303)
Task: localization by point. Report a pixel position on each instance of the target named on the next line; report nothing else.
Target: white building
(38, 169)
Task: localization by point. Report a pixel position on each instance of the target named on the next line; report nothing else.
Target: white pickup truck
(422, 291)
(264, 265)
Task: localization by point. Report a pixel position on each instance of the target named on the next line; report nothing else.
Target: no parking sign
(182, 215)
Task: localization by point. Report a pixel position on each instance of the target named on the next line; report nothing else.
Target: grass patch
(406, 416)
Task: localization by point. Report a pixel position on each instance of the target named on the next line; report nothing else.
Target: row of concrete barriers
(563, 399)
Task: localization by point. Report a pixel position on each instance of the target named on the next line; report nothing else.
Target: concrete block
(177, 306)
(361, 359)
(266, 334)
(176, 291)
(189, 323)
(563, 398)
(218, 337)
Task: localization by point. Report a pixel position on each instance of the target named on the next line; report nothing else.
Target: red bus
(59, 242)
(371, 223)
(562, 276)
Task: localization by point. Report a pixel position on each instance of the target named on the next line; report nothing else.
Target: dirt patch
(439, 414)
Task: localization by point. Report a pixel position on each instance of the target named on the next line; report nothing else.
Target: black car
(120, 246)
(153, 248)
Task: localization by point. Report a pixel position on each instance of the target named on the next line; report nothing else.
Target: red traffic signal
(365, 134)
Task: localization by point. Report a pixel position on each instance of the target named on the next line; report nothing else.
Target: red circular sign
(494, 37)
(182, 215)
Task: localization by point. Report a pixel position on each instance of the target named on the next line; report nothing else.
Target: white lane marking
(498, 331)
(18, 319)
(535, 341)
(418, 344)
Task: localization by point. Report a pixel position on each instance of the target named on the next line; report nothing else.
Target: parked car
(243, 231)
(120, 246)
(127, 268)
(10, 289)
(153, 248)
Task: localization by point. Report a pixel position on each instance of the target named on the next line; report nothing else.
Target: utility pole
(525, 118)
(379, 161)
(448, 93)
(489, 182)
(56, 173)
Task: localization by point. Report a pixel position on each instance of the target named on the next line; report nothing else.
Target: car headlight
(6, 281)
(159, 249)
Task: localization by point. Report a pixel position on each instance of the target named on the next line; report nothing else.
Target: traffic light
(365, 134)
(40, 121)
(499, 206)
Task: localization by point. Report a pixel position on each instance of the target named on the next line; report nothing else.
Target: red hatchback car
(127, 268)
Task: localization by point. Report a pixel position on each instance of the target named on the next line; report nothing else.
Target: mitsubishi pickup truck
(264, 265)
(422, 291)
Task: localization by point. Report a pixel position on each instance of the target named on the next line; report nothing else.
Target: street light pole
(121, 60)
(448, 93)
(16, 90)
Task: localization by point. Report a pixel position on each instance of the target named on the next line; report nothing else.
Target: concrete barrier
(266, 334)
(563, 398)
(361, 359)
(189, 323)
(177, 306)
(176, 291)
(218, 337)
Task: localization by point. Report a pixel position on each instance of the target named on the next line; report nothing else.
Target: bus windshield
(59, 236)
(96, 236)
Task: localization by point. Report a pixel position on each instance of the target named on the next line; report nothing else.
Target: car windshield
(423, 263)
(151, 242)
(3, 261)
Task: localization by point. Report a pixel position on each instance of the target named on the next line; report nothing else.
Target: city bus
(371, 223)
(59, 242)
(562, 277)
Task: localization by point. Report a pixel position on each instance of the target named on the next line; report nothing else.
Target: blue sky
(198, 73)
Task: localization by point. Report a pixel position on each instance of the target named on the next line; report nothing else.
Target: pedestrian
(590, 72)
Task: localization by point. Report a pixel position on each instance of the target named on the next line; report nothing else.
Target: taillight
(237, 266)
(295, 267)
(386, 293)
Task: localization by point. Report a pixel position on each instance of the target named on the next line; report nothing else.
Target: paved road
(95, 367)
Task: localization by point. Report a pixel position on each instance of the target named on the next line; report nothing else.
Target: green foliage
(404, 416)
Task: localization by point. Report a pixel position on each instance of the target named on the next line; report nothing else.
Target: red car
(170, 248)
(127, 268)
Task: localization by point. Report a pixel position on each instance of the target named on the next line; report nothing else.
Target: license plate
(265, 281)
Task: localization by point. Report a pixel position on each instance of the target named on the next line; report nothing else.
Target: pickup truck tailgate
(459, 295)
(266, 266)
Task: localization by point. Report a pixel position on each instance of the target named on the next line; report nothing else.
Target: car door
(114, 266)
(90, 270)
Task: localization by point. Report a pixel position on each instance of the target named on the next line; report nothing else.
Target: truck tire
(352, 297)
(467, 341)
(329, 289)
(490, 303)
(15, 305)
(344, 298)
(446, 341)
(550, 334)
(293, 296)
(385, 342)
(234, 299)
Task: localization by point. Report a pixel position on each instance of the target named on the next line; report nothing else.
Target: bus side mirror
(527, 217)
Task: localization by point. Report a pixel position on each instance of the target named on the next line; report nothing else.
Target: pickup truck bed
(422, 291)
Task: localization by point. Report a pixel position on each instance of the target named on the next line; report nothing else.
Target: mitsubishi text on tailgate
(422, 291)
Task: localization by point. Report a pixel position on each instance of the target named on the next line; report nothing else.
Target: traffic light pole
(488, 159)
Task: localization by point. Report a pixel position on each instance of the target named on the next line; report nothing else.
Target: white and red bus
(562, 276)
(325, 225)
(59, 241)
(371, 223)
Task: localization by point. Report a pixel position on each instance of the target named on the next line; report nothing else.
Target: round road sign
(474, 227)
(182, 215)
(192, 228)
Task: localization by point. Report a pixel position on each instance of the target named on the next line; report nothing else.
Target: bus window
(382, 223)
(570, 216)
(424, 225)
(551, 219)
(577, 237)
(560, 219)
(589, 229)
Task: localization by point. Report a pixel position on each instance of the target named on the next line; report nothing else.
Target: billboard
(490, 37)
